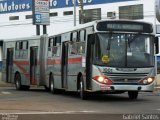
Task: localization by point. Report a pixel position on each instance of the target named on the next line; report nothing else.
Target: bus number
(108, 70)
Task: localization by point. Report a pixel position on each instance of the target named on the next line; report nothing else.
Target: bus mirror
(156, 45)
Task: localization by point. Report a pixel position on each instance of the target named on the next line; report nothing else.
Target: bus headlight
(103, 80)
(147, 80)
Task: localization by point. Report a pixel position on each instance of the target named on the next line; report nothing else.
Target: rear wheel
(18, 82)
(51, 84)
(83, 93)
(26, 87)
(133, 94)
(46, 88)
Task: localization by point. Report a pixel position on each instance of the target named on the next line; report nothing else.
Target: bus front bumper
(103, 87)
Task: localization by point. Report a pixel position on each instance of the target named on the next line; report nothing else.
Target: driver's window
(77, 48)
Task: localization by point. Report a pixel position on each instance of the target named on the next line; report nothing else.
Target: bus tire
(26, 87)
(46, 88)
(83, 94)
(18, 84)
(132, 94)
(51, 84)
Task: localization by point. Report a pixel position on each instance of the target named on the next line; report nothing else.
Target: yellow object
(105, 59)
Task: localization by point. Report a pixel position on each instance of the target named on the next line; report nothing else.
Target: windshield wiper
(109, 41)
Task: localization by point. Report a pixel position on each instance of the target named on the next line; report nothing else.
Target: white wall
(60, 23)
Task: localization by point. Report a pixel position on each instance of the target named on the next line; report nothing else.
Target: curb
(3, 84)
(7, 85)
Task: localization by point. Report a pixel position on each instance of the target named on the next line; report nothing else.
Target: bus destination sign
(114, 26)
(128, 26)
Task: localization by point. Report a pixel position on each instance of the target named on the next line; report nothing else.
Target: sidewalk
(4, 84)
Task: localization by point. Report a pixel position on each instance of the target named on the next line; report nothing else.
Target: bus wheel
(133, 94)
(51, 84)
(46, 88)
(18, 82)
(83, 94)
(26, 87)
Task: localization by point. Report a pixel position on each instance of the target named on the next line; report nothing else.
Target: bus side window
(57, 40)
(81, 48)
(77, 48)
(17, 51)
(50, 44)
(82, 35)
(25, 45)
(56, 51)
(74, 36)
(73, 49)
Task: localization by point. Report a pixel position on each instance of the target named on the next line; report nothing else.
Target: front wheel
(83, 93)
(133, 94)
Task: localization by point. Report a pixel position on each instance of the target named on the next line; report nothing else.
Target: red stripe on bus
(70, 61)
(74, 60)
(21, 62)
(50, 62)
(24, 71)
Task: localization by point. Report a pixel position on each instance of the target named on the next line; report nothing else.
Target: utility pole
(81, 11)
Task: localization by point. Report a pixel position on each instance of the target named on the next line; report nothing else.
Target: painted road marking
(64, 112)
(5, 93)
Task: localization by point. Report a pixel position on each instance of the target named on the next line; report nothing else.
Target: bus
(104, 56)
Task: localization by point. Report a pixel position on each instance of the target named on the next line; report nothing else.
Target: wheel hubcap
(52, 86)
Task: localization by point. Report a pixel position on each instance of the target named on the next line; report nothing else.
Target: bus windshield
(124, 50)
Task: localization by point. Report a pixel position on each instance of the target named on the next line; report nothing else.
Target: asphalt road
(39, 104)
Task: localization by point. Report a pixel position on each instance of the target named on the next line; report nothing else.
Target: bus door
(33, 65)
(64, 64)
(9, 65)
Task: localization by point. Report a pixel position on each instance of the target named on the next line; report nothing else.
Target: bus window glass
(17, 45)
(81, 48)
(77, 48)
(25, 45)
(56, 51)
(50, 44)
(124, 50)
(82, 35)
(74, 36)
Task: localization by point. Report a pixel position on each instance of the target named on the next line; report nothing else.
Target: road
(39, 103)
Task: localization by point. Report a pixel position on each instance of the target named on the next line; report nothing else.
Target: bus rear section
(21, 62)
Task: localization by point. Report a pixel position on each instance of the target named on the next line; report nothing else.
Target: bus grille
(126, 78)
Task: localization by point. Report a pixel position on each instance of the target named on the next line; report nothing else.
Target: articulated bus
(105, 56)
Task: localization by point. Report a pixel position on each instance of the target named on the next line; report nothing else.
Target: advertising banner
(10, 6)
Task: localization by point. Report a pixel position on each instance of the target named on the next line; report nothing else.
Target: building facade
(16, 15)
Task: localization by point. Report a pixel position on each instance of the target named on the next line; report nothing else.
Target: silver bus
(109, 56)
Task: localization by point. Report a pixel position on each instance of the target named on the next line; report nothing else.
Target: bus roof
(93, 23)
(22, 39)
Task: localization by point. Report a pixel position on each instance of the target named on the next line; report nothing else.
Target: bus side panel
(7, 71)
(57, 75)
(4, 63)
(34, 66)
(74, 67)
(54, 68)
(43, 60)
(89, 37)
